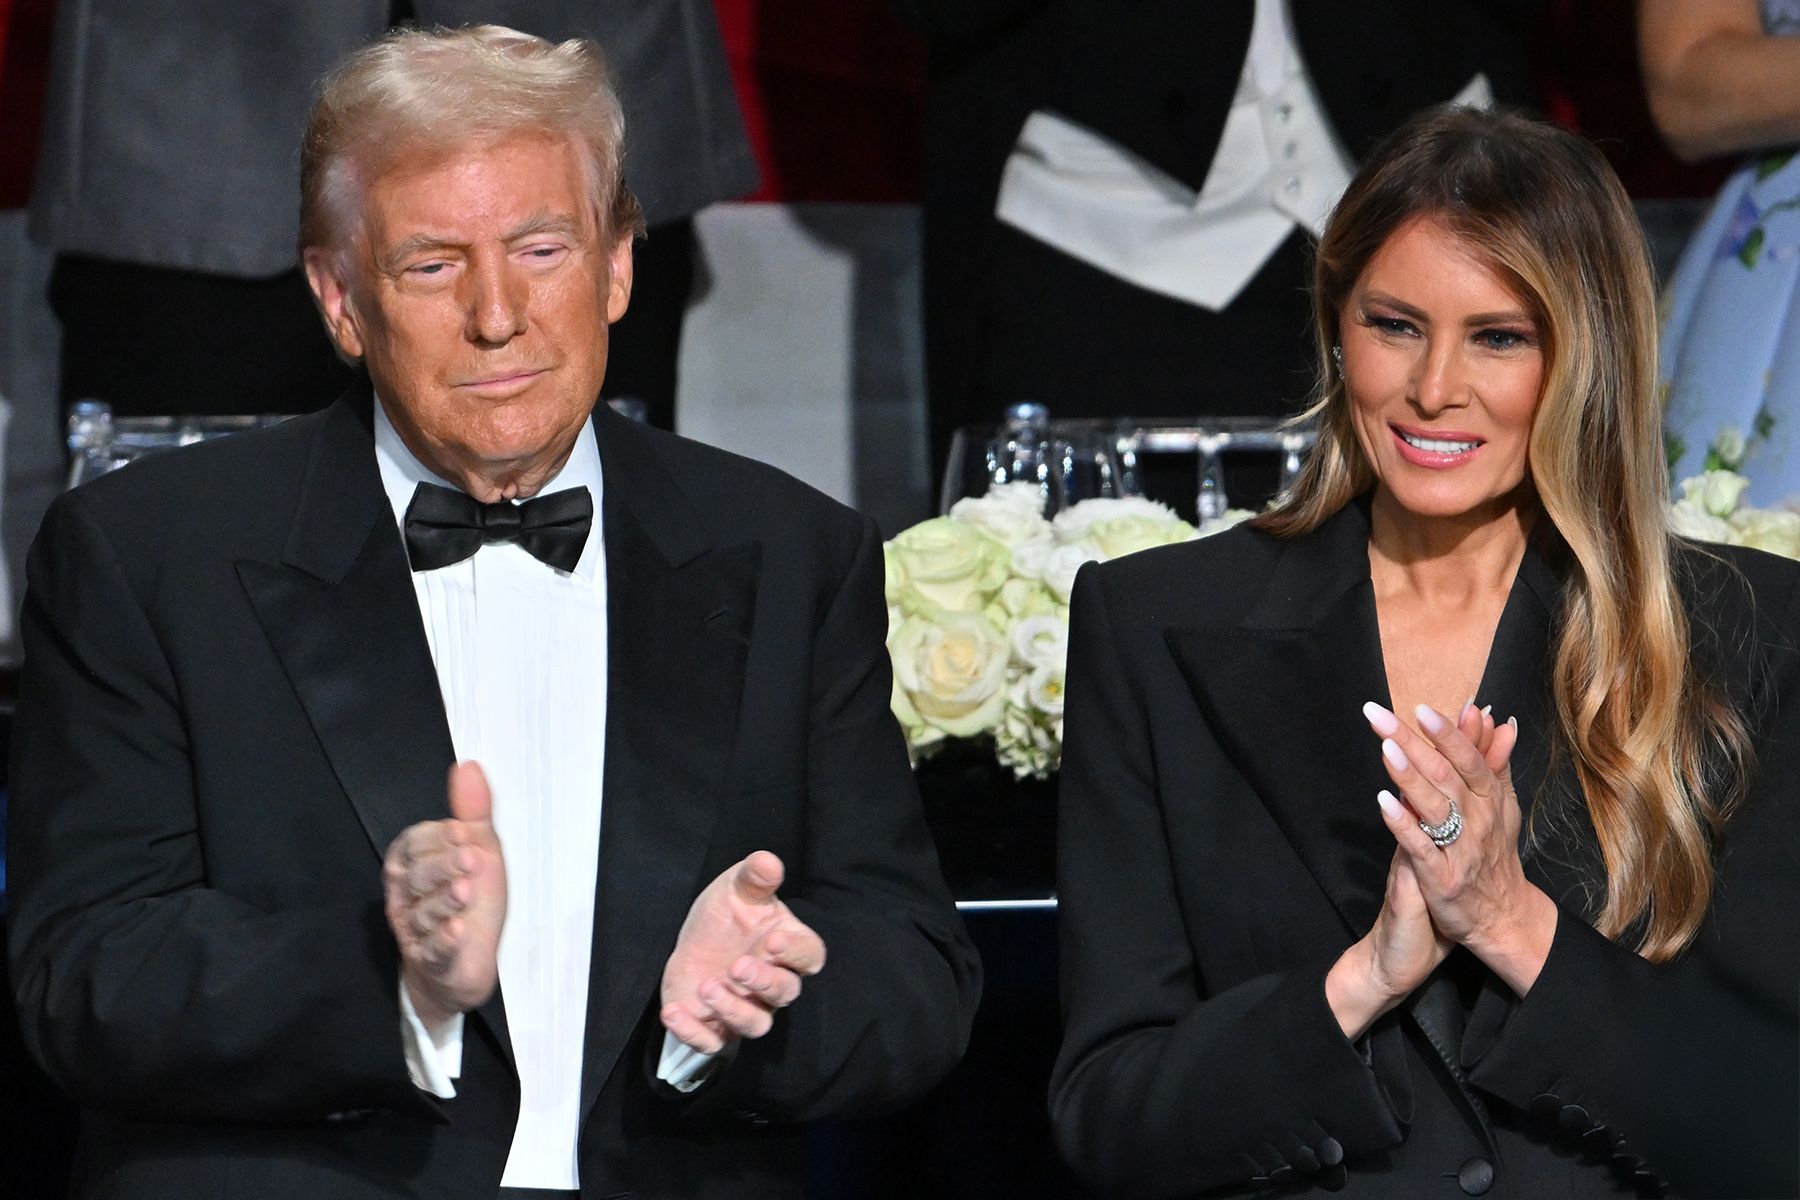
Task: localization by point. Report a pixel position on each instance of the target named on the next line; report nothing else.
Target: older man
(253, 932)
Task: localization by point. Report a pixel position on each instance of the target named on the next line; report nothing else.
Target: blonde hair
(1661, 755)
(418, 92)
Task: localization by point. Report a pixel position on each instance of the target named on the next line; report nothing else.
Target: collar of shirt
(402, 472)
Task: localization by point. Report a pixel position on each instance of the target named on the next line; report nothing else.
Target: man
(248, 937)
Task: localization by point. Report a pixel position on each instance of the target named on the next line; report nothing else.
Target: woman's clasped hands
(1458, 882)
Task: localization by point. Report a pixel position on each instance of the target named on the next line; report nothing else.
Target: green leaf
(1752, 249)
(1773, 162)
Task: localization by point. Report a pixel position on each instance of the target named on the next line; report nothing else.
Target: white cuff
(434, 1060)
(682, 1067)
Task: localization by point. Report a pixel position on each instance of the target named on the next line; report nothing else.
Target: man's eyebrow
(539, 222)
(545, 222)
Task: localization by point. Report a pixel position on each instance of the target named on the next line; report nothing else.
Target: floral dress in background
(1731, 329)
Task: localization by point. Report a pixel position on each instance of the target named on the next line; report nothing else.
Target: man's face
(480, 290)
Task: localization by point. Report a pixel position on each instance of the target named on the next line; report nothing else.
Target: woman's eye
(1501, 339)
(1396, 326)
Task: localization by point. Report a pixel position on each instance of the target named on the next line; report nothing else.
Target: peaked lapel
(679, 613)
(340, 613)
(1298, 670)
(1303, 661)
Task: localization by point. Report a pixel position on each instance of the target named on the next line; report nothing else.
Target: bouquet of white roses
(978, 614)
(1711, 508)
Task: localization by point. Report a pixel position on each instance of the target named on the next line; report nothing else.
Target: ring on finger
(1446, 831)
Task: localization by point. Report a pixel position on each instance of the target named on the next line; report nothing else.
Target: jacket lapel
(1294, 676)
(1299, 667)
(679, 617)
(340, 613)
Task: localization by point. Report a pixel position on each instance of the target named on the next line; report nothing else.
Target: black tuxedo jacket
(229, 710)
(1221, 847)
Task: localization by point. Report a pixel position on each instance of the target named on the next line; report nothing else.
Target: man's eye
(543, 252)
(428, 269)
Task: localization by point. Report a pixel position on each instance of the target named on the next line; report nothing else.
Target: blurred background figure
(1118, 199)
(176, 198)
(1723, 77)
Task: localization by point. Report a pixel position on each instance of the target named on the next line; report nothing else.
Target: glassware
(1211, 502)
(1086, 466)
(100, 442)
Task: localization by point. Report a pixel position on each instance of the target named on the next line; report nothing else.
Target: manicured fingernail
(1514, 722)
(1429, 720)
(1487, 710)
(1381, 720)
(1390, 750)
(1390, 804)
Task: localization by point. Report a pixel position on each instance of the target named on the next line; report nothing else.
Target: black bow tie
(445, 526)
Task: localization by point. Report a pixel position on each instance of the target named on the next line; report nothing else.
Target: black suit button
(1305, 1161)
(1574, 1119)
(1649, 1183)
(1332, 1178)
(1625, 1162)
(1598, 1140)
(1282, 1176)
(1331, 1152)
(1545, 1106)
(1475, 1176)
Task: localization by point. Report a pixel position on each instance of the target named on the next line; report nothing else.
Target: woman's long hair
(1661, 754)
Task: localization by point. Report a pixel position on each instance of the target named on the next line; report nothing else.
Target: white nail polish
(1429, 720)
(1390, 804)
(1390, 750)
(1381, 720)
(1514, 722)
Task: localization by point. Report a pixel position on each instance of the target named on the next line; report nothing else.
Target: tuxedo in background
(172, 207)
(1220, 848)
(230, 711)
(1008, 318)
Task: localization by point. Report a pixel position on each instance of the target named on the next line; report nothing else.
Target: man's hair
(416, 93)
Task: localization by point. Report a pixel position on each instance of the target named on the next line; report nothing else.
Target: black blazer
(1221, 847)
(229, 710)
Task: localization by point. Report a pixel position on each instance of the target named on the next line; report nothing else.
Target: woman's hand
(1403, 947)
(1475, 887)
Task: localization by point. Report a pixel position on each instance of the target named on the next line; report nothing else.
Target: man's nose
(498, 300)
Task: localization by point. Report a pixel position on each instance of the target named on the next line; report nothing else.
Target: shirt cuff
(682, 1067)
(434, 1060)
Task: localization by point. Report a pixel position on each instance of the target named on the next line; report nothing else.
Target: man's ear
(618, 287)
(325, 274)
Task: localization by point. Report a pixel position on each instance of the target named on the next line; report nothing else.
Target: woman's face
(1443, 366)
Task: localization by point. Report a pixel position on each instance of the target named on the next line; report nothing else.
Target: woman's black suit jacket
(1221, 847)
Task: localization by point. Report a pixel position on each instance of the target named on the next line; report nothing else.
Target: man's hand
(446, 902)
(740, 956)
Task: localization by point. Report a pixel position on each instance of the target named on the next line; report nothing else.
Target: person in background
(1723, 77)
(167, 178)
(678, 897)
(1436, 831)
(1119, 199)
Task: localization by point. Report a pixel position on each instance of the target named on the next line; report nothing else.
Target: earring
(1337, 358)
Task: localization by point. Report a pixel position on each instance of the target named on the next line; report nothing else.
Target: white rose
(952, 668)
(1729, 446)
(1716, 492)
(1691, 521)
(1072, 523)
(920, 736)
(1774, 530)
(946, 564)
(1010, 513)
(1029, 557)
(1045, 689)
(1060, 568)
(1023, 598)
(1039, 642)
(1233, 516)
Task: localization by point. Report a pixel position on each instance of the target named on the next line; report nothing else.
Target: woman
(1308, 943)
(1723, 77)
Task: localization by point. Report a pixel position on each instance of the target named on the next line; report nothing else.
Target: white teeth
(1437, 445)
